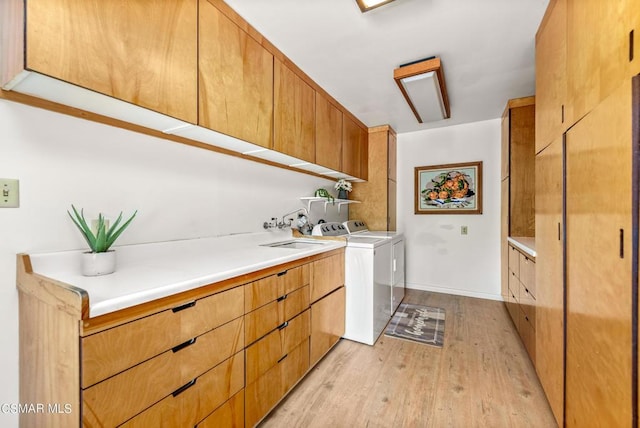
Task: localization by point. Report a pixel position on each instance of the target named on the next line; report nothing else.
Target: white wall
(179, 192)
(438, 257)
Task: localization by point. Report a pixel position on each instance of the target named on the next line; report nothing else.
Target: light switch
(9, 193)
(463, 230)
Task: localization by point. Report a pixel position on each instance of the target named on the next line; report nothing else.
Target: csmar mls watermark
(15, 408)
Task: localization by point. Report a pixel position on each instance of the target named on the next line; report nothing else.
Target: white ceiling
(486, 48)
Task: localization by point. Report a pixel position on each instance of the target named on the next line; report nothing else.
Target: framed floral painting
(449, 189)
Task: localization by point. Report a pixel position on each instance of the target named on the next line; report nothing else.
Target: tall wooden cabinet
(549, 281)
(518, 175)
(124, 50)
(599, 257)
(378, 194)
(235, 75)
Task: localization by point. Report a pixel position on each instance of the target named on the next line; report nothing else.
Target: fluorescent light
(422, 84)
(367, 5)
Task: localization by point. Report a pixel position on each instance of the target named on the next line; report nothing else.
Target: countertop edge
(525, 244)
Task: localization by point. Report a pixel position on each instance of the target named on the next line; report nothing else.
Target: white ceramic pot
(95, 264)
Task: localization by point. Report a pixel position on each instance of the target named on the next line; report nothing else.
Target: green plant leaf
(114, 226)
(84, 228)
(113, 234)
(101, 235)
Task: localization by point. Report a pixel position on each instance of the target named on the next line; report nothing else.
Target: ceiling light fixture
(367, 5)
(422, 84)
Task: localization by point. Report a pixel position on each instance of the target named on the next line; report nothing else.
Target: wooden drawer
(115, 400)
(111, 351)
(272, 315)
(326, 275)
(266, 290)
(528, 336)
(528, 274)
(512, 306)
(327, 324)
(528, 304)
(193, 404)
(230, 414)
(266, 352)
(514, 286)
(514, 261)
(263, 394)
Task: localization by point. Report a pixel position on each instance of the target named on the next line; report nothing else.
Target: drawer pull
(285, 356)
(281, 298)
(282, 273)
(183, 388)
(283, 325)
(183, 307)
(184, 345)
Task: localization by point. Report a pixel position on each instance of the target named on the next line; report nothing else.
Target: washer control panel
(329, 229)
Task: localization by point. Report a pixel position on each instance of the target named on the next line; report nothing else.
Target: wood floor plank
(481, 377)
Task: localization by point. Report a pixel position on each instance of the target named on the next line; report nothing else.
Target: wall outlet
(463, 230)
(9, 193)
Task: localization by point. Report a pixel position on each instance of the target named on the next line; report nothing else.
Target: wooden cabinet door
(328, 134)
(327, 324)
(236, 80)
(354, 149)
(522, 171)
(504, 234)
(597, 53)
(143, 52)
(633, 13)
(598, 277)
(294, 114)
(551, 69)
(549, 282)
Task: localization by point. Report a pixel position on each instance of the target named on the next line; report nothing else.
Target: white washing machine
(397, 291)
(368, 281)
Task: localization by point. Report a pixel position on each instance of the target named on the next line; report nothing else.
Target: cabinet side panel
(49, 364)
(12, 42)
(522, 171)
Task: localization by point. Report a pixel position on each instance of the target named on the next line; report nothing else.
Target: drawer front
(528, 336)
(230, 414)
(263, 394)
(268, 351)
(193, 404)
(512, 306)
(272, 315)
(326, 275)
(514, 261)
(514, 286)
(528, 274)
(528, 304)
(266, 290)
(111, 351)
(120, 397)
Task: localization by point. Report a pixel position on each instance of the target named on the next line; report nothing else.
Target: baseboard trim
(455, 291)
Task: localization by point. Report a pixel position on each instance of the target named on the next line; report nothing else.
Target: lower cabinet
(223, 356)
(521, 301)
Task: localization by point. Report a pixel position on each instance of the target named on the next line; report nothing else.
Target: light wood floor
(481, 377)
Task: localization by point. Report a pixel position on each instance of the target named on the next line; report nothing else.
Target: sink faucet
(282, 224)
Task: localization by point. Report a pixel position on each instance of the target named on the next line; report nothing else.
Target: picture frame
(454, 188)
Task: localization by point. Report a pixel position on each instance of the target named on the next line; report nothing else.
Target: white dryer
(359, 228)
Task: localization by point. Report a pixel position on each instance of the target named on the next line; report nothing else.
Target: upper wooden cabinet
(598, 52)
(328, 134)
(236, 80)
(519, 122)
(378, 194)
(551, 68)
(355, 151)
(142, 53)
(294, 114)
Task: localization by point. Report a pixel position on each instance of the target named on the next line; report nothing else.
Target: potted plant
(343, 186)
(100, 260)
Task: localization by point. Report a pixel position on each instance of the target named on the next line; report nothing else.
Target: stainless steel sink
(294, 243)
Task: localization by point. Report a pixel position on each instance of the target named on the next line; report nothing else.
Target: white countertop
(146, 272)
(526, 244)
